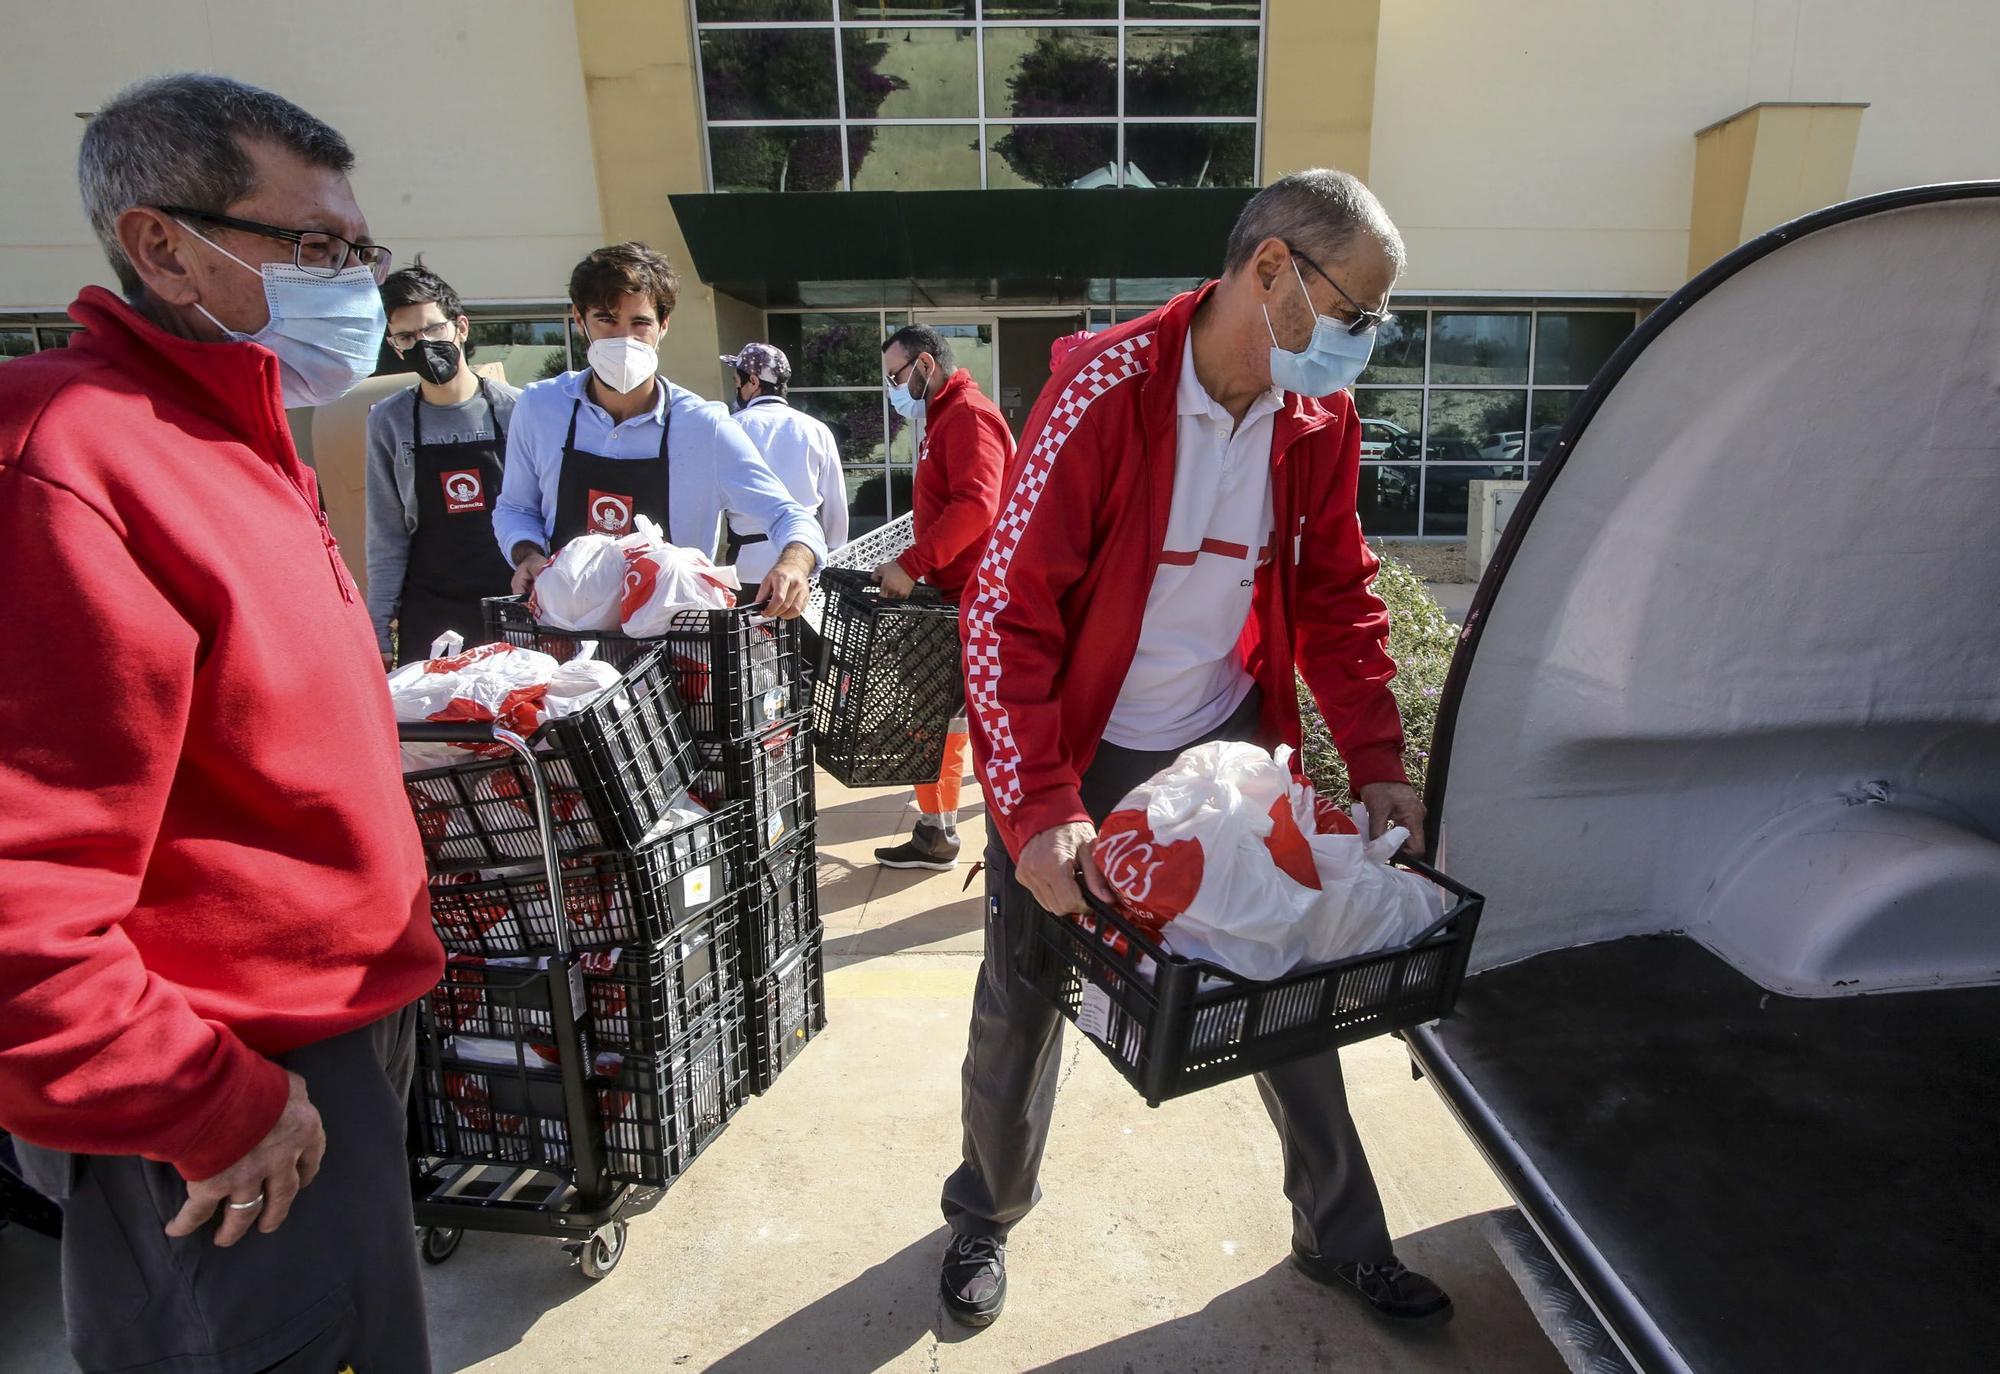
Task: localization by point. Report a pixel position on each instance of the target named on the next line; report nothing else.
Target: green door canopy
(761, 246)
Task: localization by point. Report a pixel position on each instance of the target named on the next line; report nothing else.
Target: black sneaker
(927, 847)
(974, 1281)
(1393, 1292)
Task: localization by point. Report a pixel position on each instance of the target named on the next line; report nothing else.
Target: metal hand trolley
(537, 1164)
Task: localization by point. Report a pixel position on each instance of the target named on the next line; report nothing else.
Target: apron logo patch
(464, 490)
(610, 513)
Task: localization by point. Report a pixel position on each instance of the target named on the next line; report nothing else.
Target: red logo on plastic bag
(608, 512)
(1158, 881)
(642, 574)
(464, 490)
(1331, 820)
(1289, 850)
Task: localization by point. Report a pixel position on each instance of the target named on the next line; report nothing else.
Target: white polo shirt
(1185, 679)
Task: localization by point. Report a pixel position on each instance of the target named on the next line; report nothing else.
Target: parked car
(1377, 436)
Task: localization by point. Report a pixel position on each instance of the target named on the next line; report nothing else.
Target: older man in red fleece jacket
(213, 920)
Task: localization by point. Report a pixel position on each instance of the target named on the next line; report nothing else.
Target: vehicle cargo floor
(1782, 1184)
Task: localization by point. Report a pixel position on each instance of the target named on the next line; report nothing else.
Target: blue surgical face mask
(1333, 358)
(326, 331)
(906, 404)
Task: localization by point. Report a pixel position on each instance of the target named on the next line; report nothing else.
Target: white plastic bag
(1190, 853)
(502, 683)
(1228, 858)
(1365, 904)
(583, 586)
(662, 579)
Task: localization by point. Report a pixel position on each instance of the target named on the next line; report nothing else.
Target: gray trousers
(1015, 1047)
(336, 1285)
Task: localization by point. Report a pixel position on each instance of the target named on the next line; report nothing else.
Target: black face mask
(437, 360)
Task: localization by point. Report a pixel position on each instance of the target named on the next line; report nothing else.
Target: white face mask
(624, 364)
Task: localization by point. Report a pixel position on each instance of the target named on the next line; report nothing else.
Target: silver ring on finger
(252, 1205)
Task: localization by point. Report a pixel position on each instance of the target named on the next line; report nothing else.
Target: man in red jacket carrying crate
(1177, 539)
(966, 447)
(213, 916)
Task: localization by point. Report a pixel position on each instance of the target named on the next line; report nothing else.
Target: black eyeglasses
(314, 251)
(1365, 320)
(890, 378)
(437, 331)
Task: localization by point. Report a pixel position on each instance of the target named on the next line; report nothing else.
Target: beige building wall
(645, 125)
(468, 118)
(1545, 147)
(1549, 147)
(1319, 85)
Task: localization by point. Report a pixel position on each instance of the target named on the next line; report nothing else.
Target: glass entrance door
(974, 340)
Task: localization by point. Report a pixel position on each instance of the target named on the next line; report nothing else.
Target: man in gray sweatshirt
(435, 459)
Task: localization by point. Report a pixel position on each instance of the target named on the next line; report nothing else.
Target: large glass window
(1453, 396)
(529, 350)
(19, 336)
(818, 95)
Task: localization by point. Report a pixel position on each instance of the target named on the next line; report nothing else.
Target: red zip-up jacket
(967, 447)
(206, 855)
(1052, 619)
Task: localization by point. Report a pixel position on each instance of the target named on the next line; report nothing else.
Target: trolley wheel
(441, 1243)
(601, 1253)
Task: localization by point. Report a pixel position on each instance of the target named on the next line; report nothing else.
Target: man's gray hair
(1320, 210)
(176, 140)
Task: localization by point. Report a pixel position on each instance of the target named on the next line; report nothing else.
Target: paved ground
(1454, 597)
(807, 1238)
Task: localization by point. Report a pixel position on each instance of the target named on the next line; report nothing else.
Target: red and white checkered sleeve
(1016, 641)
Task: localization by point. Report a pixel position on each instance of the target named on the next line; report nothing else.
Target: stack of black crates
(652, 900)
(742, 682)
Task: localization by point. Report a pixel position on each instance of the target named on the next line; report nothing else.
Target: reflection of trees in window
(1193, 154)
(1210, 73)
(855, 417)
(1058, 76)
(775, 159)
(1207, 73)
(843, 350)
(769, 74)
(867, 88)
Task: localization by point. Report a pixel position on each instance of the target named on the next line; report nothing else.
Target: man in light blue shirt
(590, 451)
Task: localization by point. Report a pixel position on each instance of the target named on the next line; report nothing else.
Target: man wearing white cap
(797, 447)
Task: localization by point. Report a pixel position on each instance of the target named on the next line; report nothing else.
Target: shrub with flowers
(1421, 640)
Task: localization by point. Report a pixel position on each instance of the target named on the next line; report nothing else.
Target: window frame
(983, 121)
(1429, 307)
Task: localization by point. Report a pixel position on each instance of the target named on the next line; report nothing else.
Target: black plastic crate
(614, 771)
(614, 898)
(769, 773)
(1174, 1025)
(787, 1008)
(888, 685)
(736, 671)
(780, 904)
(642, 998)
(656, 1111)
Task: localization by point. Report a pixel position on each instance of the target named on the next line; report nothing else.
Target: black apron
(599, 495)
(454, 563)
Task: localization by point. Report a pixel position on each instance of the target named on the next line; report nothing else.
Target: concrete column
(645, 134)
(1319, 85)
(1765, 165)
